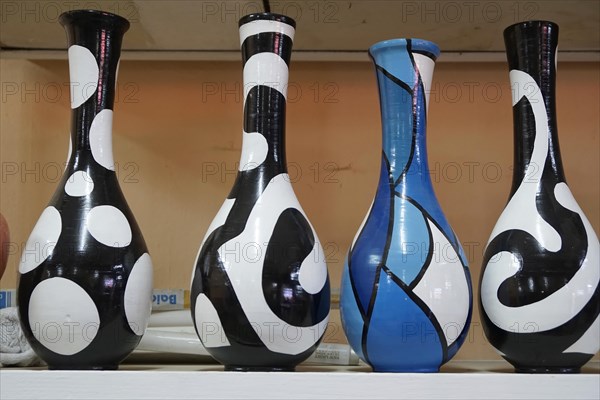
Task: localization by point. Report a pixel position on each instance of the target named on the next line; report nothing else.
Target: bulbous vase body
(85, 276)
(406, 291)
(260, 291)
(539, 294)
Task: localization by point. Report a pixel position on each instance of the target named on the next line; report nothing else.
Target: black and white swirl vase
(85, 276)
(260, 291)
(540, 296)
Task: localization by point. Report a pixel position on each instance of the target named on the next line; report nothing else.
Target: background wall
(177, 139)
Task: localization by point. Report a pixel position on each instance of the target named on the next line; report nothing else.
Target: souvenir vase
(539, 289)
(85, 276)
(406, 291)
(260, 290)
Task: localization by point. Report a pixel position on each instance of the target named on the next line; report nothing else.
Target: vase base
(111, 367)
(548, 370)
(237, 368)
(407, 370)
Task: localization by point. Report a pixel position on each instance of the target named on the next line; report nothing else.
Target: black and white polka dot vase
(260, 291)
(85, 276)
(540, 291)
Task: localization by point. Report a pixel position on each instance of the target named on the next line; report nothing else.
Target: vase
(260, 290)
(85, 276)
(405, 298)
(539, 298)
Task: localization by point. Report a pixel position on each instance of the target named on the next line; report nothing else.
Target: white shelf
(458, 380)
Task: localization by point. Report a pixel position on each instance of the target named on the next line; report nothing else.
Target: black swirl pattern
(531, 48)
(288, 245)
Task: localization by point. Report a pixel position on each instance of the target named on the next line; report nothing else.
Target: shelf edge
(298, 56)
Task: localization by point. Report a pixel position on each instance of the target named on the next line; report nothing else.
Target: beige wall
(177, 138)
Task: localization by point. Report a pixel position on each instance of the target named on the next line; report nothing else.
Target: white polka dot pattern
(62, 316)
(138, 294)
(101, 139)
(42, 240)
(84, 74)
(79, 184)
(109, 226)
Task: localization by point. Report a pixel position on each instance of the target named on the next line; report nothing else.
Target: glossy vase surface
(260, 290)
(406, 291)
(539, 289)
(85, 276)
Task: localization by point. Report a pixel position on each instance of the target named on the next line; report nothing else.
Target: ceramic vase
(406, 292)
(539, 287)
(260, 291)
(85, 276)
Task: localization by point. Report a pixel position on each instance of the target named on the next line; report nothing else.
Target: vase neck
(266, 45)
(94, 40)
(531, 52)
(404, 69)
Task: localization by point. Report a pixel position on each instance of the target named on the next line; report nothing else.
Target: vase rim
(530, 23)
(88, 15)
(267, 16)
(418, 45)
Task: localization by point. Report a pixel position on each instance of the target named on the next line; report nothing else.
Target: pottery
(260, 290)
(406, 296)
(539, 293)
(85, 276)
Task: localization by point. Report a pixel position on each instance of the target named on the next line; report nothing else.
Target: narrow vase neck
(531, 52)
(94, 40)
(266, 45)
(404, 69)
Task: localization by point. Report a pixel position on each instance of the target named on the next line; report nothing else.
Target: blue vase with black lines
(406, 295)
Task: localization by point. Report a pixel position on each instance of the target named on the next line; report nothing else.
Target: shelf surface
(337, 30)
(458, 380)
